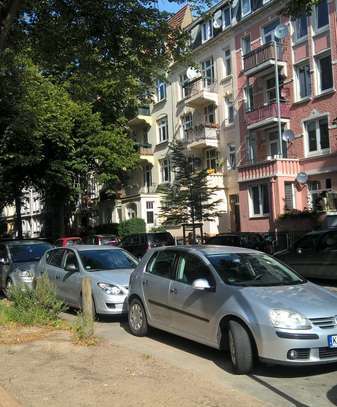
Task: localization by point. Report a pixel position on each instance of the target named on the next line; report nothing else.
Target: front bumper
(21, 281)
(111, 304)
(298, 348)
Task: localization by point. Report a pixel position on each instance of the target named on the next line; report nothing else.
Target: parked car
(237, 299)
(138, 244)
(247, 240)
(314, 255)
(18, 260)
(108, 268)
(100, 240)
(68, 241)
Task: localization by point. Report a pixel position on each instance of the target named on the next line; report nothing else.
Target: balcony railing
(198, 85)
(269, 168)
(267, 112)
(261, 55)
(144, 111)
(204, 133)
(136, 189)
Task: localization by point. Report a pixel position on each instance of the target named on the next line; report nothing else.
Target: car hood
(309, 299)
(117, 276)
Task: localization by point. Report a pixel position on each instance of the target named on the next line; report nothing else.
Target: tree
(189, 198)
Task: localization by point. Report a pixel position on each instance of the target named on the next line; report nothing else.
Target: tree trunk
(7, 19)
(18, 219)
(54, 215)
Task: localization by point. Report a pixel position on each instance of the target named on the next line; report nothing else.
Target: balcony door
(273, 145)
(147, 177)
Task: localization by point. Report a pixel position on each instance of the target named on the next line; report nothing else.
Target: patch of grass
(83, 331)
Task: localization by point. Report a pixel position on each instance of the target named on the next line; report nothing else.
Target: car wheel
(9, 285)
(240, 348)
(137, 318)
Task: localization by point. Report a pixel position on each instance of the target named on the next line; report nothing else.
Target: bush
(38, 306)
(158, 229)
(128, 227)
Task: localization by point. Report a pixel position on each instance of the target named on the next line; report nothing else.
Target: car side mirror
(201, 284)
(71, 267)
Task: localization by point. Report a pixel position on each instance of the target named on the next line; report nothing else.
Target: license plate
(332, 341)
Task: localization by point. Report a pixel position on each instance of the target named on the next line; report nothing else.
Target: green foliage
(38, 306)
(160, 228)
(189, 198)
(130, 226)
(297, 214)
(295, 8)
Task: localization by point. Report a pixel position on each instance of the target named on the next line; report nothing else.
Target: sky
(167, 6)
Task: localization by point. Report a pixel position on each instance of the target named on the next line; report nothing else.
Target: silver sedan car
(236, 299)
(108, 267)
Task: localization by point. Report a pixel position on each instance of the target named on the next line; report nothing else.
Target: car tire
(240, 348)
(137, 318)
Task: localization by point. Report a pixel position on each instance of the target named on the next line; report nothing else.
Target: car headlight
(110, 289)
(25, 273)
(286, 319)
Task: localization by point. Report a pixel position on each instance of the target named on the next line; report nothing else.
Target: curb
(6, 400)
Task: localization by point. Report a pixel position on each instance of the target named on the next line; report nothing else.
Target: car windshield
(249, 269)
(28, 252)
(96, 260)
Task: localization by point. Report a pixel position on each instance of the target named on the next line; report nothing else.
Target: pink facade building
(306, 63)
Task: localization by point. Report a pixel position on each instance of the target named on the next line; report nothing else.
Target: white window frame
(318, 58)
(161, 90)
(250, 8)
(150, 209)
(229, 104)
(295, 29)
(210, 112)
(231, 157)
(212, 155)
(207, 31)
(251, 202)
(228, 60)
(319, 150)
(314, 20)
(183, 82)
(165, 165)
(224, 26)
(243, 39)
(162, 124)
(205, 68)
(297, 81)
(293, 195)
(272, 33)
(186, 124)
(249, 103)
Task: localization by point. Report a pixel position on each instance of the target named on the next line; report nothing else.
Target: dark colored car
(18, 260)
(314, 255)
(68, 241)
(247, 240)
(138, 244)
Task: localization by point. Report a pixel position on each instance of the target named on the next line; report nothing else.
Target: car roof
(23, 241)
(84, 247)
(209, 249)
(68, 237)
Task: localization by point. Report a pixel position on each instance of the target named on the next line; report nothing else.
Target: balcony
(136, 189)
(270, 168)
(202, 136)
(199, 94)
(142, 118)
(266, 115)
(262, 58)
(146, 152)
(216, 180)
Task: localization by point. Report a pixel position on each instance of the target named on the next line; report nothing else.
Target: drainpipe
(278, 105)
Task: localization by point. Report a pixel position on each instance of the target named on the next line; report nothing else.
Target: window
(251, 148)
(289, 196)
(274, 145)
(249, 98)
(147, 177)
(269, 32)
(163, 129)
(245, 44)
(231, 163)
(321, 15)
(209, 114)
(184, 86)
(259, 197)
(212, 159)
(301, 27)
(303, 79)
(191, 268)
(54, 257)
(161, 91)
(324, 73)
(186, 124)
(162, 264)
(228, 62)
(71, 259)
(207, 68)
(226, 17)
(149, 212)
(207, 30)
(245, 7)
(229, 108)
(270, 90)
(165, 167)
(317, 135)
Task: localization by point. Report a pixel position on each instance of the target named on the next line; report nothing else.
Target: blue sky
(166, 5)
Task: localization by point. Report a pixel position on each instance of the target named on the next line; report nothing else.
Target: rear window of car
(28, 252)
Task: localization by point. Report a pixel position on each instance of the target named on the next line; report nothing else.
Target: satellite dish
(235, 3)
(288, 135)
(192, 73)
(302, 178)
(281, 31)
(217, 19)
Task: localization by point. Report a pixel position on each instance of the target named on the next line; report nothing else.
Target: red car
(68, 241)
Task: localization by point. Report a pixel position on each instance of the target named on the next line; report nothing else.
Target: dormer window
(207, 30)
(226, 17)
(245, 7)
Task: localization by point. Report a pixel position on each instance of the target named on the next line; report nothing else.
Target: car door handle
(173, 291)
(145, 282)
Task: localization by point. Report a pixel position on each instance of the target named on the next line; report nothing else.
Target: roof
(16, 242)
(83, 247)
(182, 18)
(210, 249)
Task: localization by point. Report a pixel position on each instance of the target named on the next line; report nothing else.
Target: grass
(83, 331)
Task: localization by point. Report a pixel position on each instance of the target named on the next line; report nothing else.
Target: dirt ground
(51, 371)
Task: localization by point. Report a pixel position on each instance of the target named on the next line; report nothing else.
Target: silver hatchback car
(109, 269)
(236, 299)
